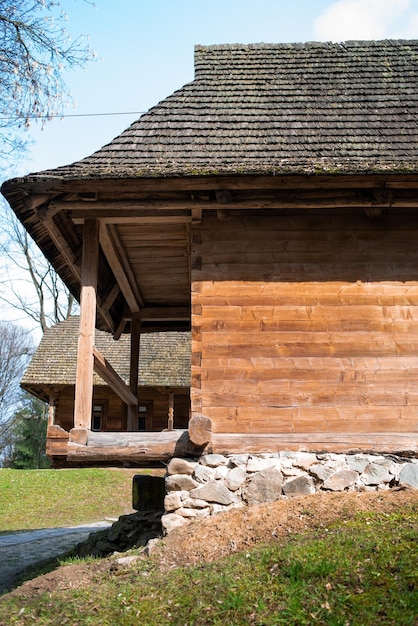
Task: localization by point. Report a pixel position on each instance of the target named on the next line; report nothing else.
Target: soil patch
(236, 530)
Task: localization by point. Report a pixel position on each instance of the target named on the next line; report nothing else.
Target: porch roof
(164, 359)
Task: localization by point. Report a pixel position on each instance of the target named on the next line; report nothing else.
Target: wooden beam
(85, 360)
(134, 366)
(110, 298)
(228, 443)
(119, 264)
(137, 219)
(103, 368)
(198, 183)
(170, 417)
(160, 314)
(71, 260)
(194, 211)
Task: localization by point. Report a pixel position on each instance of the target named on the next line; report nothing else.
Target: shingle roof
(273, 108)
(164, 357)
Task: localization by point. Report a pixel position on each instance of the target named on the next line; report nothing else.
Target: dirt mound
(233, 531)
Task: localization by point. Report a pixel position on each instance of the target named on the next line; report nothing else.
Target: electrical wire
(49, 117)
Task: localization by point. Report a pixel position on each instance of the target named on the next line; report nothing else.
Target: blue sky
(146, 51)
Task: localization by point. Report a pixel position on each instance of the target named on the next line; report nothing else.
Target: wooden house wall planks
(306, 323)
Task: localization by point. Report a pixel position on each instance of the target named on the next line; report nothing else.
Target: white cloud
(359, 19)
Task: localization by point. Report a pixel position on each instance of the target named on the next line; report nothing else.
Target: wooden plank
(85, 359)
(111, 377)
(225, 443)
(203, 183)
(134, 369)
(120, 270)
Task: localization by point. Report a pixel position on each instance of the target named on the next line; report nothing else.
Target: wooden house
(163, 385)
(270, 206)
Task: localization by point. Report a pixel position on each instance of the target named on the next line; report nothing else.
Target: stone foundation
(215, 483)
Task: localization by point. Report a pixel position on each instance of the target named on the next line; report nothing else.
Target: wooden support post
(134, 369)
(170, 425)
(88, 301)
(51, 410)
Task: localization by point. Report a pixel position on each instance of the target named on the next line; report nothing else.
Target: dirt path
(23, 549)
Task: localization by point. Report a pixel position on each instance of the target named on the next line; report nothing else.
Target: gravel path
(23, 549)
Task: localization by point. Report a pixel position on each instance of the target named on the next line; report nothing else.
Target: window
(98, 417)
(144, 415)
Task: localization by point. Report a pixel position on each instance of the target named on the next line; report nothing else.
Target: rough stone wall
(215, 483)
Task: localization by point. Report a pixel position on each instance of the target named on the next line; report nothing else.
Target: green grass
(360, 572)
(51, 498)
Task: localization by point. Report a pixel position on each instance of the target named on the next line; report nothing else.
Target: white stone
(172, 521)
(204, 474)
(151, 545)
(340, 480)
(202, 513)
(235, 460)
(264, 486)
(291, 471)
(219, 508)
(221, 472)
(259, 464)
(213, 492)
(322, 472)
(195, 503)
(127, 561)
(213, 460)
(409, 475)
(300, 486)
(180, 466)
(186, 512)
(286, 455)
(357, 462)
(305, 459)
(235, 478)
(173, 500)
(375, 474)
(180, 482)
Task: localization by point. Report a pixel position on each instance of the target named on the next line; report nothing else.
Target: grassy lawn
(51, 498)
(360, 572)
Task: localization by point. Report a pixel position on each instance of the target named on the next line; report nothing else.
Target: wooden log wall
(306, 323)
(116, 419)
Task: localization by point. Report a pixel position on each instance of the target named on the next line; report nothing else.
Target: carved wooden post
(51, 410)
(85, 360)
(134, 368)
(170, 425)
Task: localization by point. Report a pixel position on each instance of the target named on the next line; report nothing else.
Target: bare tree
(30, 284)
(35, 52)
(16, 348)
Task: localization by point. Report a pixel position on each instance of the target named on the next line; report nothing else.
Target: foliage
(52, 498)
(35, 51)
(358, 572)
(29, 435)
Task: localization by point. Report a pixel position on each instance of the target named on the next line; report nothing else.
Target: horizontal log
(266, 396)
(278, 373)
(335, 326)
(310, 272)
(203, 183)
(372, 312)
(394, 443)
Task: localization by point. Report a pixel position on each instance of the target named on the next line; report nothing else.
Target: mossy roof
(275, 108)
(164, 357)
